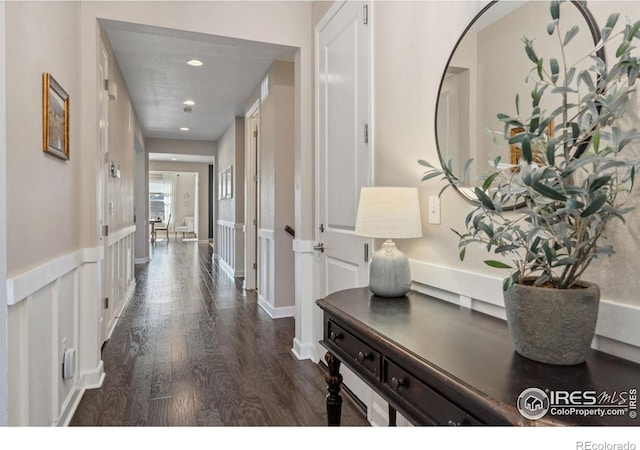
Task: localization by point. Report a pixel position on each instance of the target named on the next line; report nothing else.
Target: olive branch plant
(571, 183)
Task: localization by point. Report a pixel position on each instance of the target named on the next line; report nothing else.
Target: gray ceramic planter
(554, 326)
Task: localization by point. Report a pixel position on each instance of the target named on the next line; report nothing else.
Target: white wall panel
(48, 312)
(230, 247)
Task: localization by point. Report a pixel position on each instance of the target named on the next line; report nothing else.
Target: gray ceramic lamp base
(389, 272)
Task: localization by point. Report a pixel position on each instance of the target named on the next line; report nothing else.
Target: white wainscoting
(267, 276)
(617, 332)
(266, 272)
(55, 307)
(122, 283)
(230, 247)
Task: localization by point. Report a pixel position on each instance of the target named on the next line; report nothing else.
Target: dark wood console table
(442, 364)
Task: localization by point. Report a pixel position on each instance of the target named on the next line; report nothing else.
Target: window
(158, 199)
(156, 205)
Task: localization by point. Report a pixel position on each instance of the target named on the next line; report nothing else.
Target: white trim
(93, 379)
(303, 246)
(120, 234)
(128, 296)
(302, 350)
(90, 380)
(225, 266)
(251, 117)
(144, 260)
(276, 313)
(616, 331)
(333, 10)
(22, 286)
(4, 384)
(229, 242)
(229, 224)
(304, 344)
(69, 407)
(267, 234)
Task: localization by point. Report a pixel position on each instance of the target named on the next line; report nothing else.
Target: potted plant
(571, 181)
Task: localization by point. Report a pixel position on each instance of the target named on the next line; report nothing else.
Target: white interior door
(252, 126)
(103, 195)
(344, 159)
(344, 153)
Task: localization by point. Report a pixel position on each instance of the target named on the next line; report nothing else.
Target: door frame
(103, 195)
(4, 309)
(252, 203)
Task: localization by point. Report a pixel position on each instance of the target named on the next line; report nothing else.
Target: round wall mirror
(486, 69)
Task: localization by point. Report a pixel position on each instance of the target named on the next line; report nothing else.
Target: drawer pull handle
(363, 356)
(335, 336)
(397, 382)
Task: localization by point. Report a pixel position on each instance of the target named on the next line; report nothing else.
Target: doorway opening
(174, 200)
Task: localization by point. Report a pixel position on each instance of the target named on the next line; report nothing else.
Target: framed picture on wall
(229, 181)
(516, 149)
(222, 184)
(55, 118)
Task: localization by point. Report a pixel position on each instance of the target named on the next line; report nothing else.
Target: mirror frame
(595, 34)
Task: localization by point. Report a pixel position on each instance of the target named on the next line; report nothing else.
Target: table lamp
(389, 213)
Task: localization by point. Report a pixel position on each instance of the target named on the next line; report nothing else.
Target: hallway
(191, 350)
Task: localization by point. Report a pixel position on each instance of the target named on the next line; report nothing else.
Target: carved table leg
(334, 400)
(392, 416)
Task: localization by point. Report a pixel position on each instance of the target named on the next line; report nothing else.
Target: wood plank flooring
(190, 349)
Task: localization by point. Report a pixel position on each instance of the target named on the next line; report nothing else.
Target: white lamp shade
(389, 213)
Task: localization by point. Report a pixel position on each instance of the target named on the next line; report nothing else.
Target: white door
(103, 194)
(453, 125)
(344, 152)
(344, 160)
(252, 126)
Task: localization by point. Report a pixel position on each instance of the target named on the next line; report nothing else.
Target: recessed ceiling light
(189, 102)
(184, 129)
(174, 159)
(195, 62)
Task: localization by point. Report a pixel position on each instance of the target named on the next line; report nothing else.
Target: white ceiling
(153, 64)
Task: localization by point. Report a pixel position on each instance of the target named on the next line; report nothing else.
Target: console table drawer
(414, 391)
(359, 352)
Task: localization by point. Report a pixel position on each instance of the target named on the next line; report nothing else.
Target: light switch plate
(434, 209)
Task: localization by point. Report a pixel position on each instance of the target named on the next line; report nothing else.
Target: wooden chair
(164, 227)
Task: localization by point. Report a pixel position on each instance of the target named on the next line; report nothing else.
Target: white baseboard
(276, 313)
(144, 260)
(127, 298)
(303, 351)
(93, 379)
(225, 267)
(69, 407)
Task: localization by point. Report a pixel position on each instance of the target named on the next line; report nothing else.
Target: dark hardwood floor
(190, 349)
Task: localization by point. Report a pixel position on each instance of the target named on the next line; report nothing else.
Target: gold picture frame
(516, 149)
(55, 118)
